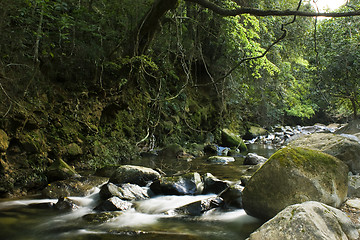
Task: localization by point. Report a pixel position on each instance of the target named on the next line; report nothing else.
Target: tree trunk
(149, 25)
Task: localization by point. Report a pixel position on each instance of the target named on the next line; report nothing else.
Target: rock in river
(295, 175)
(309, 220)
(134, 174)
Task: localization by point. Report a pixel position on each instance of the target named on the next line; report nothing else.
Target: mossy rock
(134, 174)
(254, 131)
(4, 141)
(294, 175)
(60, 170)
(171, 151)
(341, 147)
(232, 140)
(33, 141)
(73, 150)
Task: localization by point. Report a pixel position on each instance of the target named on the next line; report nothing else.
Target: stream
(153, 218)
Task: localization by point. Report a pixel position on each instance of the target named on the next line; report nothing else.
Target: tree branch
(264, 13)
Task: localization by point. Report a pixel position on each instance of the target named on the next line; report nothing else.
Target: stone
(188, 184)
(125, 191)
(65, 204)
(309, 220)
(100, 217)
(77, 187)
(4, 141)
(354, 186)
(213, 185)
(73, 150)
(199, 207)
(295, 175)
(344, 148)
(60, 170)
(230, 139)
(113, 204)
(254, 159)
(232, 196)
(134, 174)
(220, 159)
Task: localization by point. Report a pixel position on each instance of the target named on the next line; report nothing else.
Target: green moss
(308, 159)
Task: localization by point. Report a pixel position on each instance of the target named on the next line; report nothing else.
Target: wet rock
(47, 205)
(113, 204)
(188, 184)
(295, 175)
(77, 187)
(345, 149)
(65, 204)
(309, 220)
(230, 139)
(232, 196)
(213, 185)
(60, 170)
(4, 141)
(101, 217)
(199, 207)
(134, 174)
(254, 159)
(220, 159)
(125, 191)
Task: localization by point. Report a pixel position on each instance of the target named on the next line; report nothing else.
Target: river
(27, 219)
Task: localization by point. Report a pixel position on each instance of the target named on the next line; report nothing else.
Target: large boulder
(231, 139)
(295, 175)
(342, 147)
(113, 204)
(134, 174)
(309, 220)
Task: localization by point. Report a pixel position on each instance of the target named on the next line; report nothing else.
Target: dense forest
(95, 82)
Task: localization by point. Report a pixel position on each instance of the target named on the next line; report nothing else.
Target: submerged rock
(113, 204)
(125, 191)
(220, 159)
(344, 148)
(309, 220)
(134, 174)
(100, 217)
(65, 204)
(199, 207)
(188, 184)
(295, 175)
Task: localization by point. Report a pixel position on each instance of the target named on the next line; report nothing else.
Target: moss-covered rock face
(295, 175)
(60, 170)
(230, 139)
(4, 141)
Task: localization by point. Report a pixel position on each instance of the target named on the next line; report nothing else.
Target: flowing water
(30, 219)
